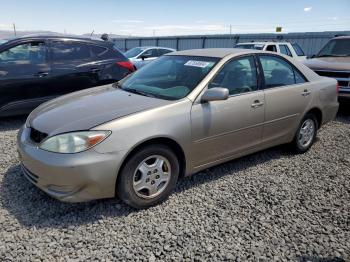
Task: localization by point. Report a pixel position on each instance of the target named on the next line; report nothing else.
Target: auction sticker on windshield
(201, 64)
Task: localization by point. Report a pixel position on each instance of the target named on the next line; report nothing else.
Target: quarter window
(278, 72)
(65, 51)
(28, 53)
(97, 50)
(238, 76)
(298, 49)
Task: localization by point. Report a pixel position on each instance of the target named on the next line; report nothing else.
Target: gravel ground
(268, 206)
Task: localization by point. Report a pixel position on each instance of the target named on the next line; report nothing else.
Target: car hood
(88, 108)
(329, 63)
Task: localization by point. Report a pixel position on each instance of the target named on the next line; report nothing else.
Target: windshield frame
(213, 60)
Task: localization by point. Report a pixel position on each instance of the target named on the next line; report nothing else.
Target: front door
(24, 76)
(222, 129)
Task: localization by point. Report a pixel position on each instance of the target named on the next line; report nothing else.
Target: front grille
(36, 135)
(29, 175)
(343, 77)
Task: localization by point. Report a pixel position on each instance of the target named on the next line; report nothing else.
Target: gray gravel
(265, 207)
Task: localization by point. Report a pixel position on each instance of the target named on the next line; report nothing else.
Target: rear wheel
(306, 134)
(148, 177)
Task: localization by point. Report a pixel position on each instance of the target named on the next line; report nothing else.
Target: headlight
(74, 142)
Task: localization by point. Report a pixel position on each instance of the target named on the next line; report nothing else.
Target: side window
(150, 53)
(298, 50)
(285, 50)
(27, 53)
(271, 48)
(68, 51)
(163, 51)
(238, 76)
(278, 72)
(97, 50)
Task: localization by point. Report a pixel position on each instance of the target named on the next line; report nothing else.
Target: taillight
(337, 87)
(127, 64)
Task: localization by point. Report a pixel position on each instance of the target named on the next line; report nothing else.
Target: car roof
(214, 52)
(77, 38)
(262, 43)
(342, 37)
(148, 47)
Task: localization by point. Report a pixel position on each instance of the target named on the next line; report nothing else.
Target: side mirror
(215, 94)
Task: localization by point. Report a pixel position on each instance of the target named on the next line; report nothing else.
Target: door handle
(94, 70)
(41, 74)
(257, 103)
(305, 93)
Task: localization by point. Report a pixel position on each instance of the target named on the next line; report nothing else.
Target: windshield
(250, 46)
(133, 52)
(169, 77)
(336, 47)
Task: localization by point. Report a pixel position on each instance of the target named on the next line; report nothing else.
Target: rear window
(298, 49)
(250, 46)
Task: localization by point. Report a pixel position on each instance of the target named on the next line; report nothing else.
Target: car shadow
(34, 208)
(12, 123)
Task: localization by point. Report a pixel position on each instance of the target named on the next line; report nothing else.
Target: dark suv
(38, 68)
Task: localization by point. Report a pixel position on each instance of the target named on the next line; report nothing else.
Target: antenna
(92, 33)
(14, 29)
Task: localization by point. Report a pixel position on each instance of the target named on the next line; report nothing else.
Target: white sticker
(201, 64)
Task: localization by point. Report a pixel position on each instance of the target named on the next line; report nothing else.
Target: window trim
(280, 57)
(258, 77)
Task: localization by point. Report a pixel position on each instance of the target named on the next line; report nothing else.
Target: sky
(175, 17)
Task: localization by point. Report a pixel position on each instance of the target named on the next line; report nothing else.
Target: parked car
(38, 68)
(285, 48)
(333, 60)
(185, 112)
(141, 56)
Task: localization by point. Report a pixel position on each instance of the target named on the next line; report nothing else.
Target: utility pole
(14, 29)
(154, 32)
(230, 33)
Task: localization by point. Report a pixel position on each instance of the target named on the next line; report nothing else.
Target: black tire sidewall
(297, 147)
(125, 189)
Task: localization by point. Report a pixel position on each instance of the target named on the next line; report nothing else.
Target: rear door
(72, 66)
(287, 95)
(24, 75)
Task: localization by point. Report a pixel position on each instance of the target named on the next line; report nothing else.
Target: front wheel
(306, 134)
(148, 177)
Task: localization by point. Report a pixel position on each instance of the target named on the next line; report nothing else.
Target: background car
(333, 60)
(184, 112)
(286, 48)
(141, 56)
(38, 68)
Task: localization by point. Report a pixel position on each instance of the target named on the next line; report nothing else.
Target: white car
(141, 56)
(285, 48)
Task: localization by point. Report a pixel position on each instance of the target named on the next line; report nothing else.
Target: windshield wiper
(135, 91)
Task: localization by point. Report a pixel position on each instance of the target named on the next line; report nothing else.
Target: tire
(148, 177)
(305, 135)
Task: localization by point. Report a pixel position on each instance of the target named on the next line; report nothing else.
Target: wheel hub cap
(306, 133)
(151, 176)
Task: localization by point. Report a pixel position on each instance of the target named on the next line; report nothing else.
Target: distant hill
(4, 34)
